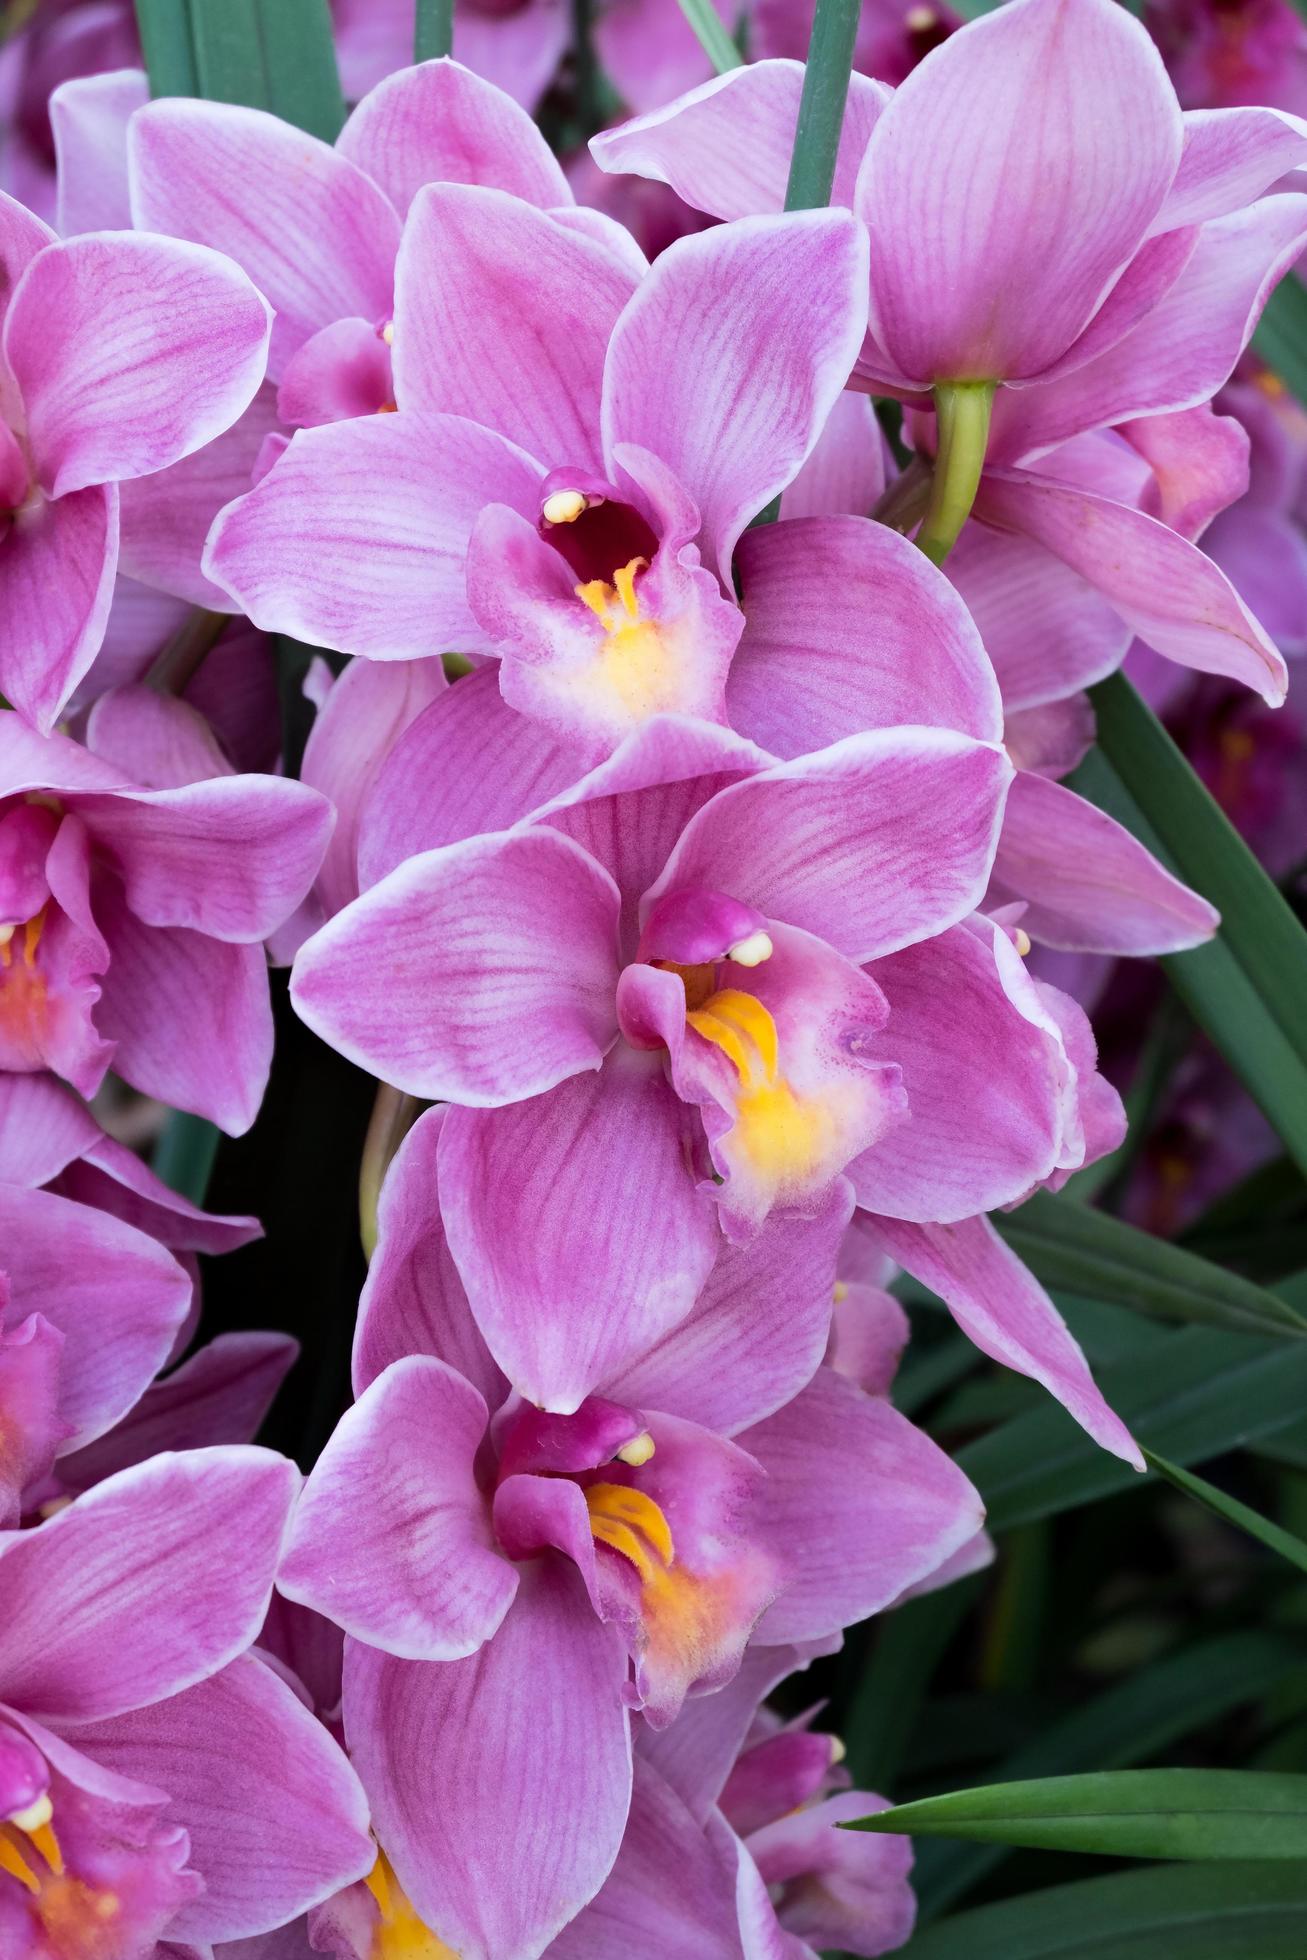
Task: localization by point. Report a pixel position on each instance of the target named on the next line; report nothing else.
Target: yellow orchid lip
(629, 1522)
(400, 1934)
(783, 1135)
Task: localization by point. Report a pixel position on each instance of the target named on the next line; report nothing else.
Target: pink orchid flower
(676, 995)
(132, 918)
(535, 1575)
(157, 1782)
(160, 347)
(318, 231)
(570, 496)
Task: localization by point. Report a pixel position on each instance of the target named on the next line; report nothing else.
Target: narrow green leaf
(185, 1153)
(168, 46)
(1124, 1813)
(1274, 1536)
(433, 33)
(1248, 985)
(1069, 1245)
(271, 54)
(1150, 1711)
(229, 52)
(1201, 1393)
(299, 53)
(1177, 1912)
(1281, 337)
(710, 33)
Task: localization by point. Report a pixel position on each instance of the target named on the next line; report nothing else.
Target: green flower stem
(962, 410)
(393, 1116)
(187, 650)
(821, 107)
(433, 34)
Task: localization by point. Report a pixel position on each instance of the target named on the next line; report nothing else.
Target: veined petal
(725, 146)
(166, 518)
(391, 1538)
(466, 765)
(1167, 591)
(1046, 630)
(1182, 351)
(849, 627)
(221, 1394)
(1230, 157)
(57, 565)
(314, 233)
(983, 1076)
(1062, 127)
(190, 1015)
(857, 1503)
(369, 708)
(920, 806)
(440, 123)
(503, 315)
(231, 857)
(478, 974)
(275, 1815)
(537, 1712)
(562, 1314)
(413, 1301)
(1000, 1305)
(637, 1904)
(116, 1296)
(756, 1332)
(144, 1585)
(160, 347)
(357, 536)
(767, 316)
(1088, 885)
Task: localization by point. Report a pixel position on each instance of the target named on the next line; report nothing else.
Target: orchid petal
(920, 805)
(1170, 594)
(536, 1712)
(611, 1147)
(1063, 128)
(356, 538)
(503, 315)
(275, 1815)
(314, 233)
(1088, 885)
(145, 1585)
(476, 974)
(725, 147)
(1000, 1305)
(391, 1538)
(767, 315)
(837, 1460)
(160, 347)
(440, 123)
(849, 627)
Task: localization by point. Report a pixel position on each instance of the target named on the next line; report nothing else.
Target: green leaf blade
(168, 46)
(1178, 1912)
(1246, 987)
(1071, 1246)
(1192, 1814)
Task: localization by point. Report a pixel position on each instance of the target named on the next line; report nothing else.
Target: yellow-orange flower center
(784, 1135)
(77, 1920)
(400, 1934)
